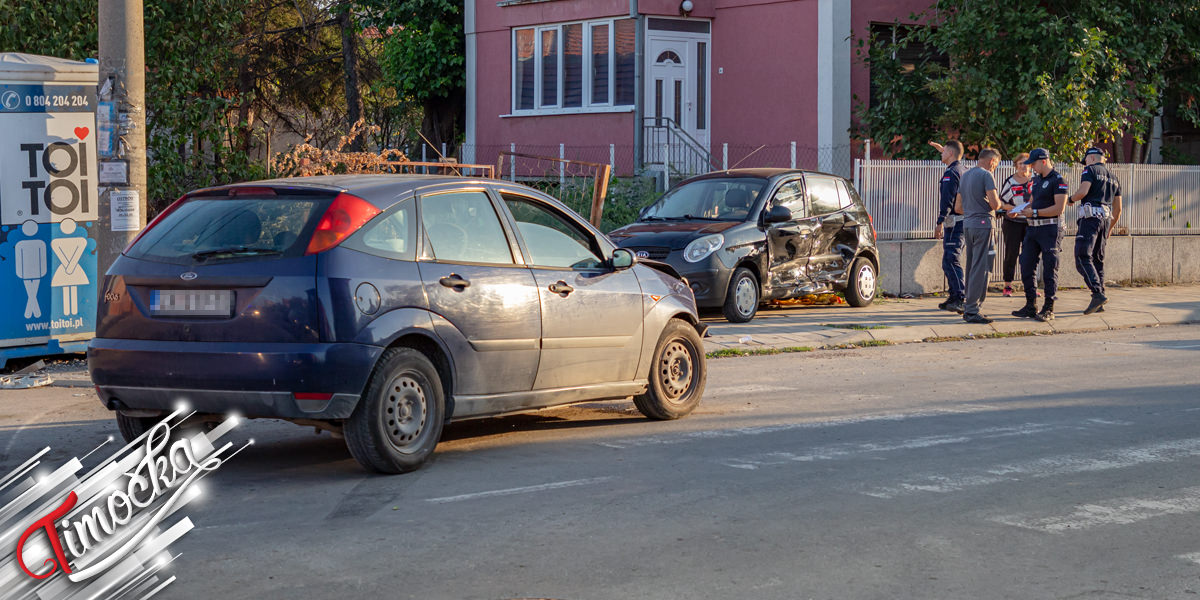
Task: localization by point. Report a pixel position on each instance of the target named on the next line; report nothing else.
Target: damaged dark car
(748, 236)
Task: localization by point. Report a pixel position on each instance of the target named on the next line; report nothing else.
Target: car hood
(669, 234)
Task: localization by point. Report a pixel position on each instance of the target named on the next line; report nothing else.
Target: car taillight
(168, 210)
(343, 217)
(871, 222)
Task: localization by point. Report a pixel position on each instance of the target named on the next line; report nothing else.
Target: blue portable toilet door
(48, 212)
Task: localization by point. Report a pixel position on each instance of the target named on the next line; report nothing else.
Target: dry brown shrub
(305, 160)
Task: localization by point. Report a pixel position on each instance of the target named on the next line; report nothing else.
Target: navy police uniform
(1043, 238)
(1095, 214)
(952, 232)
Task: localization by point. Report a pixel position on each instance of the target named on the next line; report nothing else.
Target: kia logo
(188, 276)
(643, 254)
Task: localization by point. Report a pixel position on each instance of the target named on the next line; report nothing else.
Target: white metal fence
(902, 196)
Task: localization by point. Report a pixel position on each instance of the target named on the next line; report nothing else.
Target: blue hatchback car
(384, 306)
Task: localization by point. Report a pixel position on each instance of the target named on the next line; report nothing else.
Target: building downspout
(468, 151)
(638, 85)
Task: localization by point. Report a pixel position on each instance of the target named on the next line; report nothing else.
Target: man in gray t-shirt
(978, 201)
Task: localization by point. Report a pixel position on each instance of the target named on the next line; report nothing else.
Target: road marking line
(1193, 557)
(520, 490)
(1045, 467)
(837, 451)
(1122, 511)
(762, 429)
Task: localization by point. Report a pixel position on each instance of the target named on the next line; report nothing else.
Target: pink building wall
(766, 94)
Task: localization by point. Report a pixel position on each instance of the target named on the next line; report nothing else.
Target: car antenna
(743, 158)
(439, 153)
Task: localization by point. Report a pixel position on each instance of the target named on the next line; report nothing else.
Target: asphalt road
(1064, 466)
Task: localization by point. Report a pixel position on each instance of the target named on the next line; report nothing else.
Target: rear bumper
(253, 379)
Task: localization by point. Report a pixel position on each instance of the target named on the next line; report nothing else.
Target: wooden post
(599, 191)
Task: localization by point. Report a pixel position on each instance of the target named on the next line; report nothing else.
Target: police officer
(949, 225)
(1100, 192)
(1043, 235)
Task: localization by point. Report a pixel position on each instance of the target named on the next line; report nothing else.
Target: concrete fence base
(915, 266)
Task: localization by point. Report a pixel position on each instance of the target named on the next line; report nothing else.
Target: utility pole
(123, 84)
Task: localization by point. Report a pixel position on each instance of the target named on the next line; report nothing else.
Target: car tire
(677, 375)
(863, 283)
(741, 299)
(399, 419)
(133, 427)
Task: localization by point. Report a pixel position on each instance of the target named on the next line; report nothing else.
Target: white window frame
(588, 106)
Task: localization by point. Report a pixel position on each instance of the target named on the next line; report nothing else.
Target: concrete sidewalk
(896, 320)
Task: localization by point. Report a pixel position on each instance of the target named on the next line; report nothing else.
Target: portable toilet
(48, 205)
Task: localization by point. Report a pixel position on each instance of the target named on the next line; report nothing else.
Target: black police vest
(1046, 188)
(1104, 185)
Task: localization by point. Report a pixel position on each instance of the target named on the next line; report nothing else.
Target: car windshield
(724, 199)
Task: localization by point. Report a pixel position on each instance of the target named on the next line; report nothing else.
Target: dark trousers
(952, 261)
(1042, 243)
(1014, 236)
(1089, 252)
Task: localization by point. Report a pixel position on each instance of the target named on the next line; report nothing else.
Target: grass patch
(732, 352)
(854, 326)
(866, 344)
(983, 336)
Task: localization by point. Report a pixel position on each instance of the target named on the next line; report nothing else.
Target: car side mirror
(778, 214)
(622, 259)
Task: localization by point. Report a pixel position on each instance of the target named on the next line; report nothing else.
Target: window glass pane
(725, 198)
(523, 78)
(252, 228)
(600, 61)
(668, 56)
(658, 99)
(550, 67)
(679, 102)
(573, 65)
(463, 227)
(392, 236)
(823, 196)
(551, 238)
(791, 196)
(844, 195)
(701, 86)
(625, 35)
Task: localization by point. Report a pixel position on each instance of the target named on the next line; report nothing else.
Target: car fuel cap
(366, 298)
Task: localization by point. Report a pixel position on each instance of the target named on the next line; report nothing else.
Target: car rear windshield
(723, 199)
(210, 229)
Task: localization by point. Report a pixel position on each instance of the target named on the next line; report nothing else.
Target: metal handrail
(679, 131)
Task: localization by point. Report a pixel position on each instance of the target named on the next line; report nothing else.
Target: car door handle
(561, 287)
(455, 281)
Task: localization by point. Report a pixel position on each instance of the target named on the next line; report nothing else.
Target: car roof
(370, 187)
(763, 173)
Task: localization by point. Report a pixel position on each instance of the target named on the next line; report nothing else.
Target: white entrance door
(677, 89)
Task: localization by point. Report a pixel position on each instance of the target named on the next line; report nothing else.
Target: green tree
(1057, 74)
(423, 59)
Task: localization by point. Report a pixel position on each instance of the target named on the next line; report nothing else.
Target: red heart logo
(81, 132)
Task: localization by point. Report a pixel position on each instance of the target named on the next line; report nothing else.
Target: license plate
(191, 303)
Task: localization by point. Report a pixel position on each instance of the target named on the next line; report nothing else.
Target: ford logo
(643, 254)
(188, 276)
